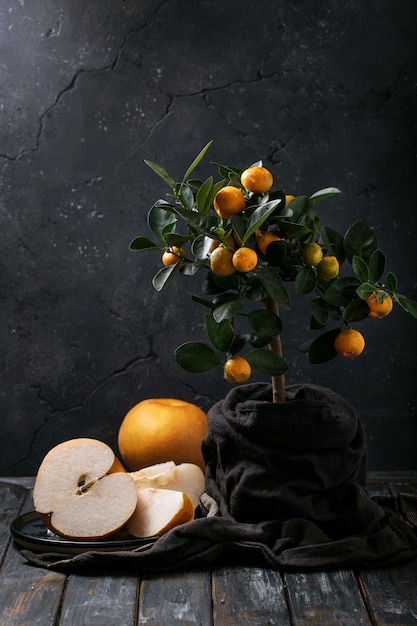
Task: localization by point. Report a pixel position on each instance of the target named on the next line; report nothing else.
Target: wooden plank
(391, 594)
(28, 595)
(181, 599)
(377, 488)
(248, 596)
(396, 487)
(325, 598)
(103, 599)
(23, 481)
(402, 476)
(12, 498)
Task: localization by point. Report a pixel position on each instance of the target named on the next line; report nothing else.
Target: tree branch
(278, 382)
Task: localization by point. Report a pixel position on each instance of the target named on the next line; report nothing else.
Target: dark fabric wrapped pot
(298, 467)
(300, 458)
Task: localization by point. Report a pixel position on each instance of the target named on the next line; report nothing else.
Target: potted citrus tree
(247, 240)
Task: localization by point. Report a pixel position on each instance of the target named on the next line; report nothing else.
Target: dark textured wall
(323, 92)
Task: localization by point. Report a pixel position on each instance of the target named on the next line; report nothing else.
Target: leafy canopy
(236, 318)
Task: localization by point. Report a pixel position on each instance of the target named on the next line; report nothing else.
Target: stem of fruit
(278, 382)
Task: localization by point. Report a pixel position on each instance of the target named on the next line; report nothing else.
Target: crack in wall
(386, 95)
(54, 411)
(71, 85)
(204, 93)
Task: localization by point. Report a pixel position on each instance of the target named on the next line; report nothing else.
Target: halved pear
(82, 491)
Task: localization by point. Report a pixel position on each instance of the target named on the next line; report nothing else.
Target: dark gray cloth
(285, 489)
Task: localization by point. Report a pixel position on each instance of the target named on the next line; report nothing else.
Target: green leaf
(192, 267)
(228, 171)
(355, 311)
(172, 239)
(376, 265)
(333, 242)
(227, 310)
(324, 193)
(203, 301)
(210, 197)
(359, 240)
(342, 291)
(161, 218)
(256, 341)
(276, 253)
(225, 282)
(266, 361)
(219, 333)
(201, 223)
(322, 349)
(187, 197)
(162, 173)
(365, 290)
(408, 305)
(143, 243)
(391, 281)
(258, 217)
(201, 246)
(323, 312)
(305, 281)
(254, 289)
(202, 195)
(360, 268)
(237, 344)
(265, 321)
(292, 229)
(273, 283)
(163, 276)
(301, 205)
(197, 160)
(196, 357)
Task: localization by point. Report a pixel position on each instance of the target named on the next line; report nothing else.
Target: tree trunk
(278, 382)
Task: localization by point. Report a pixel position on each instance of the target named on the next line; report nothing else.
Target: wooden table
(223, 597)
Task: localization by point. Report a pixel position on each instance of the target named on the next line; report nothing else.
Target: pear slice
(157, 475)
(185, 477)
(159, 510)
(82, 491)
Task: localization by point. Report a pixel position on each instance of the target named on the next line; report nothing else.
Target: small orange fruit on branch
(221, 262)
(257, 179)
(245, 260)
(328, 268)
(349, 343)
(237, 370)
(172, 256)
(380, 304)
(312, 254)
(229, 201)
(265, 239)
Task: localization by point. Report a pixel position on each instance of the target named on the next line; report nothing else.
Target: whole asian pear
(157, 430)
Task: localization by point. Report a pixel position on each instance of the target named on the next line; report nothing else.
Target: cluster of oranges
(229, 256)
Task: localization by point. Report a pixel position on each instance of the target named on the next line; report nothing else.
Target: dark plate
(30, 532)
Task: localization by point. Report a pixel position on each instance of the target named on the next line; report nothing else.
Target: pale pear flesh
(185, 477)
(158, 511)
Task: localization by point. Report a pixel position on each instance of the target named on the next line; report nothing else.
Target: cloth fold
(285, 489)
